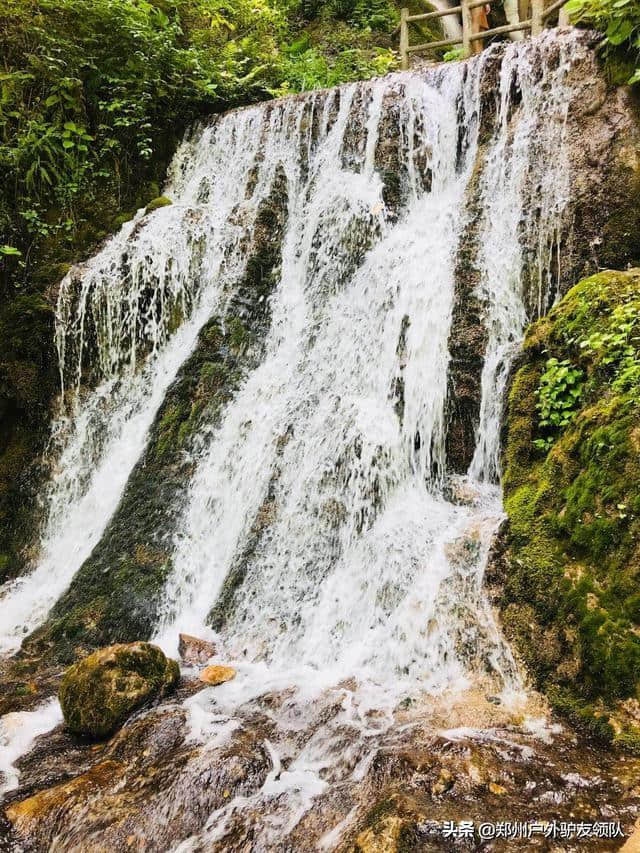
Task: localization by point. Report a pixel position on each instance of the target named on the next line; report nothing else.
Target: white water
(353, 570)
(18, 731)
(179, 259)
(364, 567)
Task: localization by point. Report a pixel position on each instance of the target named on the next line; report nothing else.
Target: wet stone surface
(251, 779)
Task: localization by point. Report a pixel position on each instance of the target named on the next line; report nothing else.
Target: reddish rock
(193, 650)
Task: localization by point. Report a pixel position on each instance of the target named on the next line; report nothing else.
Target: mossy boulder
(97, 694)
(154, 204)
(568, 568)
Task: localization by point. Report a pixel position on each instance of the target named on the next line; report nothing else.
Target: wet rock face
(100, 692)
(604, 140)
(156, 783)
(115, 595)
(601, 229)
(214, 675)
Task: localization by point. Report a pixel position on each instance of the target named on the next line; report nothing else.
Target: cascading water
(322, 537)
(339, 577)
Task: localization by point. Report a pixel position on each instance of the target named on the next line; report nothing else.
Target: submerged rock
(100, 692)
(217, 674)
(194, 650)
(159, 780)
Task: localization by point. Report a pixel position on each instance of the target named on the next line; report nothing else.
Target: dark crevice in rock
(467, 344)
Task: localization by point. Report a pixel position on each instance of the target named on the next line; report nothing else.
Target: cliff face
(565, 567)
(602, 231)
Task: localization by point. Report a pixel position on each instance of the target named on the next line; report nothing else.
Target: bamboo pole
(497, 31)
(563, 17)
(466, 28)
(537, 17)
(536, 24)
(404, 39)
(553, 8)
(430, 45)
(439, 14)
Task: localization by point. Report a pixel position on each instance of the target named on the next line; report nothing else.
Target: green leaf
(619, 30)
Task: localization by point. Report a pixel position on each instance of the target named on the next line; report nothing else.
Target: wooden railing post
(537, 21)
(563, 17)
(404, 39)
(466, 27)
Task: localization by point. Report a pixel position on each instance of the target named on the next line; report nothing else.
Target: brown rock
(632, 844)
(382, 838)
(194, 650)
(26, 814)
(443, 784)
(217, 674)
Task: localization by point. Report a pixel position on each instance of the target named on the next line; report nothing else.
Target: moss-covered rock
(27, 379)
(160, 201)
(97, 694)
(569, 565)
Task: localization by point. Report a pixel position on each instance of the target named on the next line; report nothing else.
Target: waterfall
(321, 529)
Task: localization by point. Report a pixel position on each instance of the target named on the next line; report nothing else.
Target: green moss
(156, 203)
(586, 717)
(570, 600)
(100, 692)
(629, 740)
(381, 810)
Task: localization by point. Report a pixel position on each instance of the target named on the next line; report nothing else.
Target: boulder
(217, 674)
(193, 650)
(97, 694)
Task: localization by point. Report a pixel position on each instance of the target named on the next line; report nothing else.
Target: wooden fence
(536, 23)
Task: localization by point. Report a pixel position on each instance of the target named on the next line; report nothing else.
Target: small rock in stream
(217, 674)
(193, 650)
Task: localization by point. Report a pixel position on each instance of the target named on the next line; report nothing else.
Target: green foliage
(362, 14)
(342, 41)
(618, 348)
(619, 20)
(558, 396)
(94, 94)
(454, 54)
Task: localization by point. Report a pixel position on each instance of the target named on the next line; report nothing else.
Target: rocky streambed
(220, 769)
